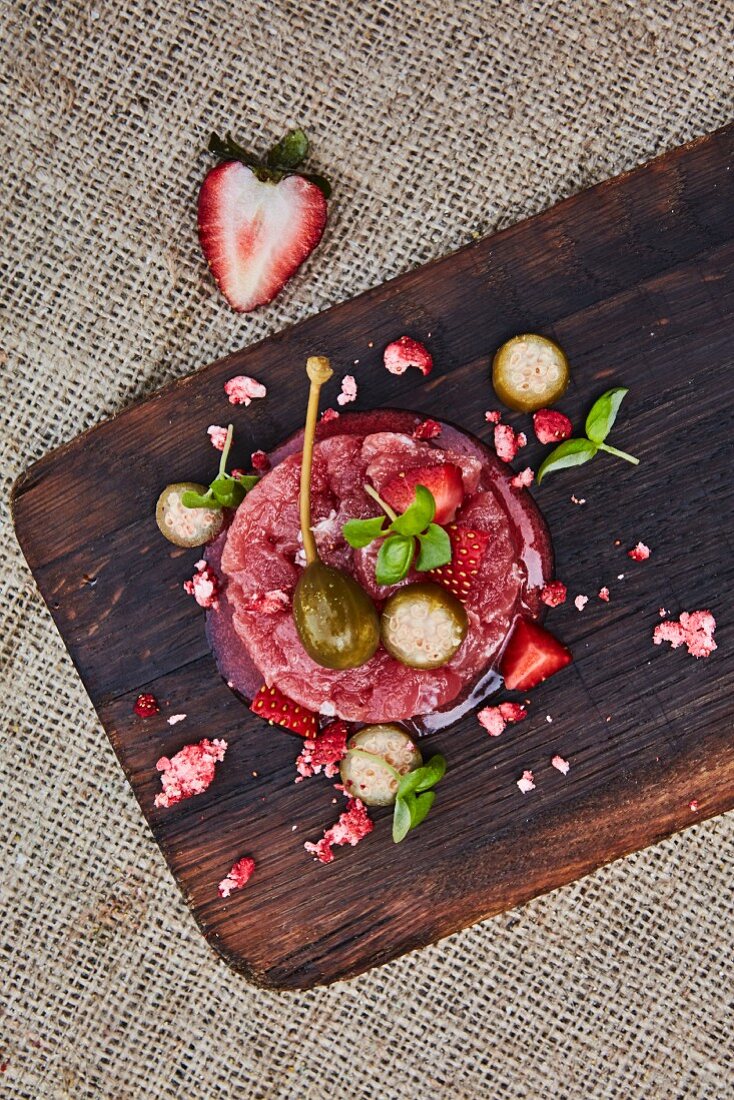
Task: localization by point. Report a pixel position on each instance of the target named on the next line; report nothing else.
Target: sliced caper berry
(376, 758)
(530, 372)
(186, 526)
(423, 625)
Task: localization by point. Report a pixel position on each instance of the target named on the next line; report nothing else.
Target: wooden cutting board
(635, 278)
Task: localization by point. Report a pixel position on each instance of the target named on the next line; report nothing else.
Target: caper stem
(620, 454)
(225, 450)
(385, 507)
(319, 371)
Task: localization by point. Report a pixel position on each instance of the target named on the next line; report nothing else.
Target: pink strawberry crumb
(203, 586)
(406, 352)
(349, 390)
(603, 594)
(493, 416)
(329, 414)
(523, 480)
(639, 552)
(693, 805)
(526, 782)
(507, 442)
(554, 593)
(268, 603)
(662, 612)
(218, 436)
(238, 877)
(189, 772)
(551, 426)
(354, 824)
(580, 602)
(513, 712)
(242, 390)
(260, 462)
(560, 764)
(174, 719)
(427, 429)
(695, 630)
(491, 719)
(577, 500)
(323, 752)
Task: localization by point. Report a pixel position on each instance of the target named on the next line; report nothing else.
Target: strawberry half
(279, 710)
(531, 656)
(467, 550)
(443, 481)
(255, 234)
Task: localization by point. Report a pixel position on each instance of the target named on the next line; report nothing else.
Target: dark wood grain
(635, 278)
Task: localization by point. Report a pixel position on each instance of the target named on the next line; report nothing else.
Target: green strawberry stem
(619, 454)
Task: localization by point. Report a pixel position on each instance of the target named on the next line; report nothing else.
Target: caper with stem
(335, 618)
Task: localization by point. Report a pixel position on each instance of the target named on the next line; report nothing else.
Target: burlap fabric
(438, 122)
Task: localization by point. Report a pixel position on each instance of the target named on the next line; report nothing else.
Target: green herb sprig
(414, 796)
(282, 160)
(599, 423)
(412, 536)
(225, 491)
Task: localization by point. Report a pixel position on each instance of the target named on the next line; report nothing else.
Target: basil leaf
(190, 499)
(419, 808)
(574, 452)
(393, 559)
(603, 413)
(434, 548)
(247, 481)
(401, 821)
(290, 151)
(431, 772)
(409, 782)
(361, 532)
(228, 492)
(417, 515)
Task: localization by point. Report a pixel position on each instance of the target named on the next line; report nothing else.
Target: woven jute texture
(437, 121)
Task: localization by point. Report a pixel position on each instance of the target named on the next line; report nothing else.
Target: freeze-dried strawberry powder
(189, 772)
(354, 824)
(238, 877)
(695, 630)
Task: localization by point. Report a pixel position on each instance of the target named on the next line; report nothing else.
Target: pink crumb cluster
(260, 462)
(203, 586)
(268, 603)
(406, 352)
(495, 719)
(349, 390)
(427, 429)
(238, 877)
(554, 593)
(580, 602)
(323, 752)
(523, 480)
(577, 500)
(560, 764)
(603, 594)
(551, 426)
(526, 782)
(639, 552)
(508, 442)
(694, 629)
(354, 824)
(329, 414)
(218, 436)
(242, 390)
(493, 416)
(189, 772)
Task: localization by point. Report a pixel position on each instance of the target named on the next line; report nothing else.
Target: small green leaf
(573, 452)
(409, 783)
(431, 772)
(434, 548)
(247, 481)
(290, 151)
(361, 532)
(417, 515)
(318, 181)
(190, 499)
(603, 413)
(227, 491)
(419, 808)
(401, 821)
(393, 559)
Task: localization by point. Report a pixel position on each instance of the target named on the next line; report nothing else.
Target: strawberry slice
(279, 710)
(255, 234)
(531, 656)
(443, 481)
(467, 550)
